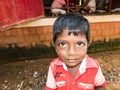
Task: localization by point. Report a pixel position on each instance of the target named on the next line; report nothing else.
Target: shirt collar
(87, 62)
(82, 67)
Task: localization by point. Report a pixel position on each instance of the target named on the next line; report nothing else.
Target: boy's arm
(99, 88)
(50, 84)
(100, 81)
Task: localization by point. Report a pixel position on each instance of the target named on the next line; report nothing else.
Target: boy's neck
(74, 70)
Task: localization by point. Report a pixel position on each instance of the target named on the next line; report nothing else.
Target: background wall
(32, 36)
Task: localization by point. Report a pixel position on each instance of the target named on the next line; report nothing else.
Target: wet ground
(31, 74)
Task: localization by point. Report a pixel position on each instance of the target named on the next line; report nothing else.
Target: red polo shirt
(88, 76)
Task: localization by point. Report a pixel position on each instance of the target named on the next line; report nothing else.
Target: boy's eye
(80, 44)
(62, 44)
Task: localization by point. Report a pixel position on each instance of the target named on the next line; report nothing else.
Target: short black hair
(75, 23)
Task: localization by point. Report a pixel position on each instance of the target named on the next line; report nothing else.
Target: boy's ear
(53, 44)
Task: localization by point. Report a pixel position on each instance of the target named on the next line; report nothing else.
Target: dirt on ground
(31, 74)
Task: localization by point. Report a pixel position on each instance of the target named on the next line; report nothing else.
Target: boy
(73, 69)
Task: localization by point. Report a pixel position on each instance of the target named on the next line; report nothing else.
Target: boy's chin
(72, 65)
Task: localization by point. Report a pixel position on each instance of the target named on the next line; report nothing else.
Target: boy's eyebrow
(82, 41)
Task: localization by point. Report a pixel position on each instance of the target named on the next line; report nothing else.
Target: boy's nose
(72, 50)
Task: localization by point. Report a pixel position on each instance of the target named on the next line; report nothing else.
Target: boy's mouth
(71, 60)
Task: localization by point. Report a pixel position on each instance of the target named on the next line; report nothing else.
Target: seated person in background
(57, 6)
(87, 6)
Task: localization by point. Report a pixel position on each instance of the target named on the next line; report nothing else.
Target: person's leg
(56, 12)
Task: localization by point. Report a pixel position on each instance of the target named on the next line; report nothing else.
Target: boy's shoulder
(91, 62)
(55, 62)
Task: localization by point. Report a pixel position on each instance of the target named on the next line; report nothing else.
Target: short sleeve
(100, 79)
(50, 80)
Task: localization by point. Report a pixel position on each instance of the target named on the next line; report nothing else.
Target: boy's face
(71, 49)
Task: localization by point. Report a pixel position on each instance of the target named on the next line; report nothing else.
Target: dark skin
(99, 88)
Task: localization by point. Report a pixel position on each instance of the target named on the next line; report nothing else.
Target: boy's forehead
(68, 32)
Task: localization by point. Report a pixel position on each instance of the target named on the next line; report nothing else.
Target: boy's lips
(71, 60)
